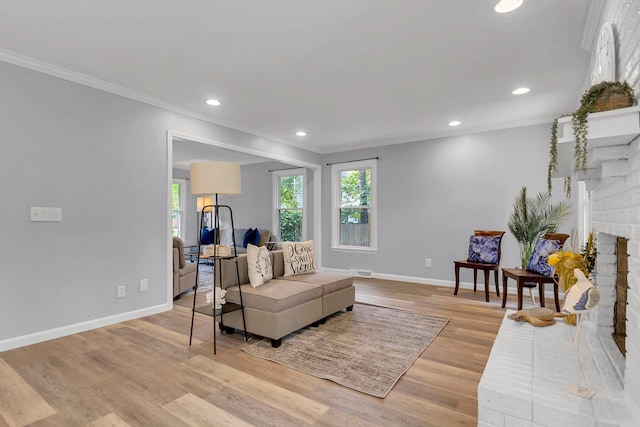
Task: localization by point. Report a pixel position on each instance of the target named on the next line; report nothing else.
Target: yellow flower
(553, 259)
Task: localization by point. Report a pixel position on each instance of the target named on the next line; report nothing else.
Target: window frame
(336, 190)
(275, 218)
(182, 199)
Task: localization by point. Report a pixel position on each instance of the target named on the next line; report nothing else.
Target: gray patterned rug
(367, 349)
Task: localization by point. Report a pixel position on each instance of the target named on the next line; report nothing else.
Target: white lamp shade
(208, 178)
(203, 201)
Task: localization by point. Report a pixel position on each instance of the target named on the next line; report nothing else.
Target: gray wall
(433, 194)
(102, 158)
(253, 207)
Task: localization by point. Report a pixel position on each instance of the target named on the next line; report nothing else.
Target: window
(354, 205)
(178, 217)
(289, 212)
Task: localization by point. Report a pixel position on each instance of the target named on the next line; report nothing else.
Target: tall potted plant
(532, 218)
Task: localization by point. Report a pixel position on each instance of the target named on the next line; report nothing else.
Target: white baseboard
(398, 278)
(438, 282)
(21, 341)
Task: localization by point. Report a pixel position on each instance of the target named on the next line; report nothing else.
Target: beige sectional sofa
(284, 304)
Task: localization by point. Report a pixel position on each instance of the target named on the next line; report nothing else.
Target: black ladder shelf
(208, 309)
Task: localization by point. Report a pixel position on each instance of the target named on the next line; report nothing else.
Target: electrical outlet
(427, 262)
(121, 291)
(144, 285)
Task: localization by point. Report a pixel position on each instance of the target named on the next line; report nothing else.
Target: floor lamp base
(581, 390)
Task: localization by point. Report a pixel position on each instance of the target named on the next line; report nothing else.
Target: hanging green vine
(553, 158)
(580, 130)
(567, 187)
(553, 153)
(599, 97)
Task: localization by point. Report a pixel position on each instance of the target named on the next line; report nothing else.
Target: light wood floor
(143, 373)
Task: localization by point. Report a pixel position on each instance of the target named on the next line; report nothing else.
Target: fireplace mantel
(610, 133)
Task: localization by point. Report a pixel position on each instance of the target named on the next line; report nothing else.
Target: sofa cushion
(259, 265)
(264, 236)
(278, 263)
(276, 295)
(330, 282)
(298, 258)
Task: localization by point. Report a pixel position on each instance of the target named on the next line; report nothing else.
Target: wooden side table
(523, 276)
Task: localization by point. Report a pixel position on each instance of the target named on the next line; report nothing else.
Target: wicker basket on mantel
(612, 101)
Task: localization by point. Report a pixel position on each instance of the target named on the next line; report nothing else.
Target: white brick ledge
(524, 379)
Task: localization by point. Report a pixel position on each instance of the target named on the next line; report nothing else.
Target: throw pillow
(208, 236)
(258, 265)
(484, 249)
(540, 255)
(298, 258)
(252, 236)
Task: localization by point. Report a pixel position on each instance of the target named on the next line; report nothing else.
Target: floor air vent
(361, 273)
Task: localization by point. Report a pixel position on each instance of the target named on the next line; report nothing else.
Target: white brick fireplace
(523, 382)
(616, 213)
(522, 385)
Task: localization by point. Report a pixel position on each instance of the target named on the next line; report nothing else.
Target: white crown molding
(85, 80)
(591, 26)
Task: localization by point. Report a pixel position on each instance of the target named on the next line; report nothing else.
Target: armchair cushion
(177, 243)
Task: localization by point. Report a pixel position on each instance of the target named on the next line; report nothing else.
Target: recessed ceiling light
(520, 90)
(454, 123)
(301, 133)
(213, 102)
(505, 6)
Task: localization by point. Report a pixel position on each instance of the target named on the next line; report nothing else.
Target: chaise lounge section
(284, 304)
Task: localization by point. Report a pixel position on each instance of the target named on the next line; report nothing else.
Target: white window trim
(336, 170)
(182, 201)
(276, 175)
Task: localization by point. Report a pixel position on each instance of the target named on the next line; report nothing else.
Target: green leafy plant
(599, 97)
(532, 218)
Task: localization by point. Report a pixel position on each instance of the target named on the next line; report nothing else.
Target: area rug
(367, 349)
(205, 278)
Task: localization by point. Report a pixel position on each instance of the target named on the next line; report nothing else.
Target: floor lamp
(201, 202)
(209, 180)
